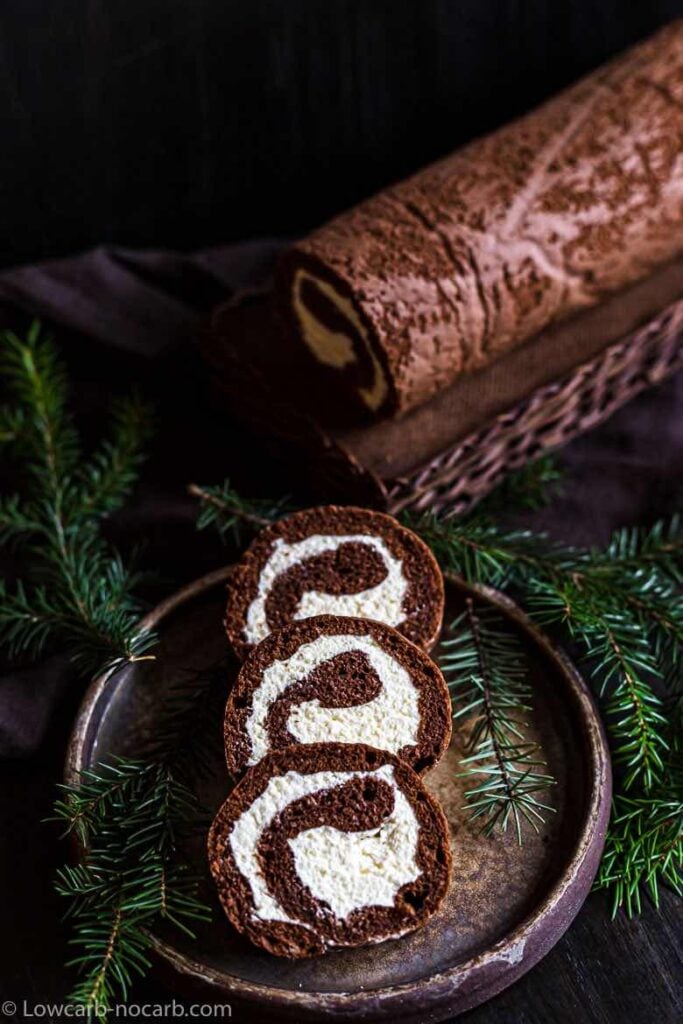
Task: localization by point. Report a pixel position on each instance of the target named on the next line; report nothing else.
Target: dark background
(184, 123)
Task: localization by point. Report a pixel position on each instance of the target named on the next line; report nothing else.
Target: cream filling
(346, 870)
(390, 721)
(383, 602)
(334, 348)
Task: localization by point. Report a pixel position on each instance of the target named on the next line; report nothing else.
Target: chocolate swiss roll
(335, 560)
(444, 272)
(338, 680)
(329, 845)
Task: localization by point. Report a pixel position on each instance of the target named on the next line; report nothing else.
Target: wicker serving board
(507, 905)
(448, 453)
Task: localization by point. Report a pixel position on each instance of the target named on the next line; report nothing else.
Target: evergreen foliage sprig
(621, 607)
(529, 488)
(135, 821)
(644, 847)
(487, 674)
(130, 818)
(224, 509)
(622, 610)
(77, 595)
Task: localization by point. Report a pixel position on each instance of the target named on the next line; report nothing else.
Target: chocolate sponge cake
(341, 680)
(441, 274)
(335, 560)
(329, 845)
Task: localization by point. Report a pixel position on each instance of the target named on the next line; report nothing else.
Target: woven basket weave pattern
(455, 480)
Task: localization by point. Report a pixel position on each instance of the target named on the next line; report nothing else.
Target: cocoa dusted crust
(479, 252)
(352, 568)
(343, 681)
(354, 807)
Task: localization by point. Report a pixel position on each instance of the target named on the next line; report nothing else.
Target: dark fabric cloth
(143, 302)
(126, 318)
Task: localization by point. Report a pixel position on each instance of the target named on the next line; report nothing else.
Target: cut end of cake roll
(327, 846)
(335, 560)
(342, 680)
(320, 311)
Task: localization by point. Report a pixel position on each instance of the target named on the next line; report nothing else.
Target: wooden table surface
(190, 122)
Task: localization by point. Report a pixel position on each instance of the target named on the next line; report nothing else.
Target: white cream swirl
(390, 721)
(345, 870)
(383, 602)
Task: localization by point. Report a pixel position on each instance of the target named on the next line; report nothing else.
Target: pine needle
(76, 594)
(644, 848)
(224, 509)
(621, 609)
(131, 818)
(487, 675)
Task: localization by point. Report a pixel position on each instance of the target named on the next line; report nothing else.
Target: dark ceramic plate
(507, 905)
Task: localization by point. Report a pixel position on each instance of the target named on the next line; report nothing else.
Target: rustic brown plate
(507, 905)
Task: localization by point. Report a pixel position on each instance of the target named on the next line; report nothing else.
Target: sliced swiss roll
(329, 845)
(339, 680)
(335, 560)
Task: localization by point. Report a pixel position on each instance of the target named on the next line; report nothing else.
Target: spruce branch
(37, 382)
(16, 520)
(478, 550)
(622, 607)
(223, 508)
(487, 675)
(11, 424)
(608, 616)
(644, 848)
(76, 596)
(113, 469)
(660, 547)
(633, 712)
(131, 818)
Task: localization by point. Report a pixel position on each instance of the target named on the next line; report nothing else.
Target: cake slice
(335, 560)
(329, 845)
(342, 680)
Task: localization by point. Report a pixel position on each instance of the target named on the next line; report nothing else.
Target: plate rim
(436, 991)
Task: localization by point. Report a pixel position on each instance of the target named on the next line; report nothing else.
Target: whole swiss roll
(441, 274)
